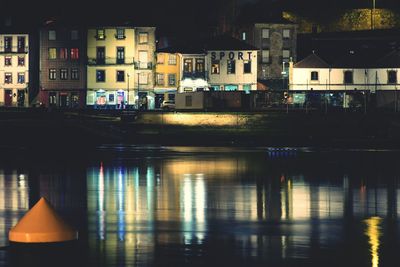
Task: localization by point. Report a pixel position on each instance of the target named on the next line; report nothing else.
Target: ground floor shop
(120, 99)
(62, 98)
(14, 97)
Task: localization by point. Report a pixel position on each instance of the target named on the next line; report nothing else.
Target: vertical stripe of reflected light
(121, 196)
(373, 232)
(101, 203)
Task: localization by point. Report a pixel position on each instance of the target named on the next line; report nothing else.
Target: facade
(193, 72)
(110, 67)
(145, 48)
(14, 70)
(276, 43)
(62, 71)
(167, 76)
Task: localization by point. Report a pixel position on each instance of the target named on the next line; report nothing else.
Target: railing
(14, 49)
(195, 75)
(143, 65)
(110, 61)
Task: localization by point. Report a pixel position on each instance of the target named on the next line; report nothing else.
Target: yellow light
(373, 232)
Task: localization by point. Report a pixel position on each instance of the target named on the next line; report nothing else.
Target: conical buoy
(41, 224)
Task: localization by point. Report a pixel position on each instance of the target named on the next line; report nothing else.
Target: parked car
(168, 105)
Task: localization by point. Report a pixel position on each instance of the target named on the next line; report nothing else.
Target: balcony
(143, 65)
(14, 50)
(110, 61)
(194, 75)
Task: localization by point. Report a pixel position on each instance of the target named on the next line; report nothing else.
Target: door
(100, 55)
(120, 55)
(21, 98)
(8, 98)
(64, 100)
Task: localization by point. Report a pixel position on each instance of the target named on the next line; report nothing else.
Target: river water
(186, 206)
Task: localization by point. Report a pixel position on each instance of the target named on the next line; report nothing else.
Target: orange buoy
(41, 224)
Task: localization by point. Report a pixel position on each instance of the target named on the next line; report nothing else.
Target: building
(167, 76)
(110, 67)
(231, 64)
(145, 48)
(62, 70)
(276, 43)
(14, 69)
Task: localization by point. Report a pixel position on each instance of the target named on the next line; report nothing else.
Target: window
(100, 34)
(199, 65)
(265, 56)
(348, 77)
(52, 53)
(188, 101)
(100, 75)
(120, 55)
(244, 36)
(247, 66)
(143, 78)
(171, 79)
(74, 74)
(21, 61)
(8, 77)
(188, 65)
(74, 35)
(392, 76)
(286, 33)
(63, 74)
(314, 76)
(231, 67)
(120, 76)
(100, 55)
(143, 59)
(63, 53)
(52, 35)
(285, 55)
(21, 44)
(160, 58)
(172, 59)
(120, 33)
(215, 67)
(7, 43)
(21, 77)
(143, 37)
(265, 33)
(52, 74)
(74, 53)
(160, 78)
(111, 98)
(7, 61)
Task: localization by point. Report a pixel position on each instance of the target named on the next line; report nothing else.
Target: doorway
(8, 98)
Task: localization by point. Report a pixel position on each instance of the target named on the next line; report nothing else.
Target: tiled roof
(312, 61)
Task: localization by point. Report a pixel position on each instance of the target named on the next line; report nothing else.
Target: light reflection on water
(216, 209)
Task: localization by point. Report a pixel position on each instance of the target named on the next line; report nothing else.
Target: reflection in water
(373, 232)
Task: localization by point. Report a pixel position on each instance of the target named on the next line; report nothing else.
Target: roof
(185, 48)
(224, 42)
(312, 61)
(391, 60)
(357, 59)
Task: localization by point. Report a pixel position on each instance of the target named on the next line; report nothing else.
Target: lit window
(286, 33)
(74, 35)
(244, 36)
(285, 55)
(265, 56)
(21, 44)
(348, 77)
(160, 59)
(7, 43)
(231, 67)
(7, 61)
(265, 33)
(120, 33)
(172, 59)
(120, 76)
(314, 76)
(52, 35)
(143, 77)
(171, 79)
(392, 76)
(74, 53)
(247, 66)
(100, 75)
(21, 77)
(188, 65)
(63, 74)
(215, 67)
(199, 65)
(143, 38)
(100, 34)
(160, 78)
(52, 74)
(52, 53)
(8, 77)
(74, 74)
(63, 53)
(21, 61)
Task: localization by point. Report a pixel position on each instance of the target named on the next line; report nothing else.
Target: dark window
(21, 61)
(171, 79)
(100, 55)
(7, 43)
(314, 76)
(100, 75)
(231, 68)
(8, 77)
(52, 74)
(63, 74)
(215, 67)
(120, 55)
(392, 76)
(188, 101)
(7, 61)
(74, 74)
(247, 66)
(120, 76)
(74, 53)
(348, 77)
(74, 35)
(21, 77)
(21, 44)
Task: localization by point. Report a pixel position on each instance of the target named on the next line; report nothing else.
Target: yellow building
(110, 69)
(167, 76)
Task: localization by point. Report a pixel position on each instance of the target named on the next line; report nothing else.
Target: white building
(14, 70)
(193, 72)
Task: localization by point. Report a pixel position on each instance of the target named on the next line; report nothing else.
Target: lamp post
(127, 105)
(372, 15)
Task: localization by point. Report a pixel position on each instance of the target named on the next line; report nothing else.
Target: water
(182, 206)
